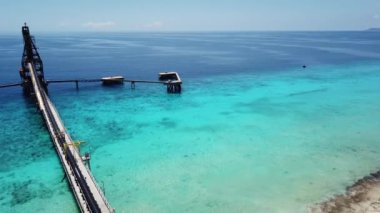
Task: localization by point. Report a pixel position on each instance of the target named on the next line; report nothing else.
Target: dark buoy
(304, 66)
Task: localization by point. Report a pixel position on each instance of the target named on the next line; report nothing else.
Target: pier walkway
(87, 193)
(9, 85)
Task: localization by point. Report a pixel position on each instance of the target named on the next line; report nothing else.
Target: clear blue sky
(190, 15)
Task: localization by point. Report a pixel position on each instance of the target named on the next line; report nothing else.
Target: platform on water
(172, 80)
(113, 80)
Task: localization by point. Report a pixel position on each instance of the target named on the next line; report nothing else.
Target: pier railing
(87, 193)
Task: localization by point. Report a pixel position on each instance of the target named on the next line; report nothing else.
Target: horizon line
(191, 31)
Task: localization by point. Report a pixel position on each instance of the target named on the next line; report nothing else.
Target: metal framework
(30, 55)
(89, 197)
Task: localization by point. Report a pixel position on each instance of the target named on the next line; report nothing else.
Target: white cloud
(100, 25)
(154, 25)
(376, 16)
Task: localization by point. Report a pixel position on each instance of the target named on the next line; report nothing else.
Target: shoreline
(362, 196)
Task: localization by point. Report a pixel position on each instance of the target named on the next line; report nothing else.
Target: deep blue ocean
(252, 131)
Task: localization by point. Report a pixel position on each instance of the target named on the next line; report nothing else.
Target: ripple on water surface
(265, 143)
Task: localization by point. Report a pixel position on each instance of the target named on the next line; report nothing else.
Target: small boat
(112, 80)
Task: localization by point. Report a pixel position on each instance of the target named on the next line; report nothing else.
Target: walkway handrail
(61, 137)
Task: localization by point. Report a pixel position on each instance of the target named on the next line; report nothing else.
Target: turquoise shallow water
(251, 132)
(274, 142)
